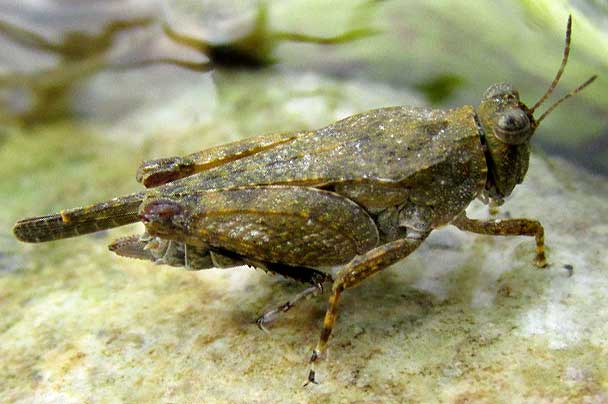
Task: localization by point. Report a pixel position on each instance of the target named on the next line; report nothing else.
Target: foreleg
(507, 227)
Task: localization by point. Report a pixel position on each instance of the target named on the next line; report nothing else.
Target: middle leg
(303, 274)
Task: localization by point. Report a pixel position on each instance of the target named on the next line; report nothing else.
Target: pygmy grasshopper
(354, 197)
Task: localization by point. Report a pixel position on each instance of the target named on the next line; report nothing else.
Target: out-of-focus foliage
(61, 60)
(38, 92)
(255, 47)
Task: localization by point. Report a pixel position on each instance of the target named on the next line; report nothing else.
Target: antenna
(561, 68)
(565, 97)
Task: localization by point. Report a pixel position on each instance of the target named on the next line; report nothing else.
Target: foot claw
(310, 379)
(260, 322)
(272, 315)
(320, 287)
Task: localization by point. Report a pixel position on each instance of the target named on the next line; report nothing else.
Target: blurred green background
(101, 62)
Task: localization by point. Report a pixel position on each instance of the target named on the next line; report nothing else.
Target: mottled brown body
(322, 197)
(354, 197)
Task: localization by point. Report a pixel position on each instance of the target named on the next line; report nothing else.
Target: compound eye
(513, 127)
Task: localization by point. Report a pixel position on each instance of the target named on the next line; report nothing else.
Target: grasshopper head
(508, 125)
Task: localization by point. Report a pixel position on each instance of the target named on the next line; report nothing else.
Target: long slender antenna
(561, 68)
(565, 97)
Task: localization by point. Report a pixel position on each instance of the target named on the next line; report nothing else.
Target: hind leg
(360, 268)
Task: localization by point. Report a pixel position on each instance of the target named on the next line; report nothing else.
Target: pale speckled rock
(465, 318)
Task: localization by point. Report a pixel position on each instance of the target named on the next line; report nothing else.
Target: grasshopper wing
(290, 225)
(388, 144)
(152, 173)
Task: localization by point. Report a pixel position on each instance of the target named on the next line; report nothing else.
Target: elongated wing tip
(79, 221)
(38, 229)
(59, 226)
